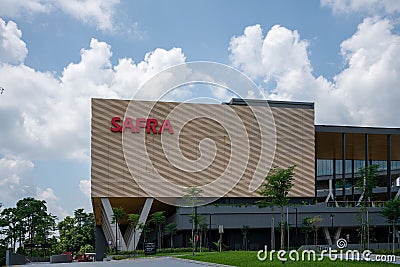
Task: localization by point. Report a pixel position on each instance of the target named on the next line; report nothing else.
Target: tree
(306, 228)
(158, 218)
(192, 198)
(27, 222)
(245, 229)
(145, 230)
(118, 215)
(367, 181)
(314, 223)
(275, 190)
(9, 224)
(133, 220)
(391, 211)
(171, 230)
(77, 232)
(203, 231)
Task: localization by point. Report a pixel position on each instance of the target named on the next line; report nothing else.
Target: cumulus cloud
(364, 93)
(16, 179)
(246, 51)
(100, 14)
(371, 7)
(12, 49)
(84, 186)
(369, 85)
(14, 9)
(44, 115)
(53, 202)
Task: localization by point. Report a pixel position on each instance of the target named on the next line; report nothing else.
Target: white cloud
(364, 93)
(369, 85)
(134, 30)
(279, 41)
(46, 116)
(100, 14)
(16, 180)
(84, 186)
(246, 51)
(97, 12)
(53, 202)
(12, 49)
(13, 9)
(370, 7)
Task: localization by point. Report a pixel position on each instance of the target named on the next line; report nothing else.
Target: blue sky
(55, 55)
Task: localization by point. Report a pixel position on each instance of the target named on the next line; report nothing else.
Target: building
(135, 159)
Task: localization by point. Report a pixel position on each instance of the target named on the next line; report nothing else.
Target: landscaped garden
(249, 258)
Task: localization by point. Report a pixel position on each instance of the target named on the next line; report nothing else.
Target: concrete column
(327, 236)
(110, 229)
(142, 220)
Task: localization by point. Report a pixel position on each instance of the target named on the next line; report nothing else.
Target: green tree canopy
(171, 230)
(367, 181)
(158, 218)
(118, 215)
(27, 222)
(391, 211)
(133, 220)
(275, 190)
(76, 232)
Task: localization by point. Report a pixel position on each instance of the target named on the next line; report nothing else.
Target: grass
(249, 259)
(167, 254)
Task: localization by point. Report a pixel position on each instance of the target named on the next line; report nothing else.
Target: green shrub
(123, 257)
(86, 249)
(175, 250)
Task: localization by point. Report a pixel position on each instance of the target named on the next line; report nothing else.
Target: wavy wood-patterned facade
(111, 177)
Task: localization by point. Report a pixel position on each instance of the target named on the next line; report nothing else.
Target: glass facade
(325, 166)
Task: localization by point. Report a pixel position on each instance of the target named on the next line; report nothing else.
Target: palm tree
(158, 218)
(203, 231)
(145, 230)
(193, 200)
(134, 221)
(171, 229)
(118, 214)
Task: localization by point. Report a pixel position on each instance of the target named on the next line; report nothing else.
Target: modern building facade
(130, 150)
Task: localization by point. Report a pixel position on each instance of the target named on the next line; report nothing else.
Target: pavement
(140, 262)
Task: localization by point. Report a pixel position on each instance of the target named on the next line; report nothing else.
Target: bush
(174, 250)
(130, 252)
(123, 257)
(86, 249)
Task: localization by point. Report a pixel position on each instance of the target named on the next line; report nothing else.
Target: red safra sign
(151, 125)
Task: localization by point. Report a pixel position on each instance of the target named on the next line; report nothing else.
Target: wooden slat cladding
(112, 178)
